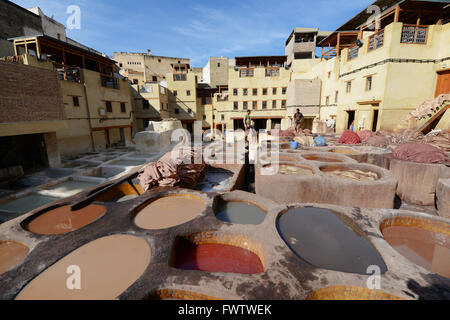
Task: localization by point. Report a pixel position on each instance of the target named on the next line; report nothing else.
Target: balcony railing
(414, 34)
(68, 73)
(353, 53)
(246, 72)
(272, 72)
(109, 82)
(376, 40)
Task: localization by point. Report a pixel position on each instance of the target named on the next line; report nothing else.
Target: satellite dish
(359, 43)
(236, 69)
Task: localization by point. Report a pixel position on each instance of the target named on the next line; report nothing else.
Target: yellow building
(97, 103)
(150, 103)
(258, 84)
(375, 78)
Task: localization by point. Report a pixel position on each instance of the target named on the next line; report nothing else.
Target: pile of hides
(438, 139)
(420, 152)
(306, 141)
(182, 166)
(282, 133)
(378, 141)
(349, 137)
(428, 108)
(366, 135)
(320, 142)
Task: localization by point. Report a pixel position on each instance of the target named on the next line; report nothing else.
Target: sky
(197, 29)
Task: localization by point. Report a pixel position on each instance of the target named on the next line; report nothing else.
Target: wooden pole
(397, 13)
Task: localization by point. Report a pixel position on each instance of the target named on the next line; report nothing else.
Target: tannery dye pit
(423, 242)
(348, 173)
(322, 239)
(11, 254)
(240, 212)
(215, 257)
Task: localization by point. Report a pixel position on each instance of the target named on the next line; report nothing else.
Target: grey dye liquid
(323, 240)
(240, 212)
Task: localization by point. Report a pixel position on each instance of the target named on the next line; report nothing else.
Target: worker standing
(298, 118)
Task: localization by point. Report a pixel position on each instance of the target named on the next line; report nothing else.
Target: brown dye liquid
(428, 249)
(119, 192)
(322, 159)
(169, 212)
(216, 258)
(108, 266)
(11, 254)
(286, 169)
(353, 174)
(321, 238)
(63, 220)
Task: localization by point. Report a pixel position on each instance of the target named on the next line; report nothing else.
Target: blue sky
(197, 29)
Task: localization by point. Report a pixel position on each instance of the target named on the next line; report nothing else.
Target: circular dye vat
(168, 294)
(240, 212)
(422, 241)
(289, 169)
(323, 240)
(322, 159)
(352, 174)
(63, 220)
(108, 266)
(215, 257)
(11, 254)
(121, 193)
(169, 211)
(344, 151)
(350, 293)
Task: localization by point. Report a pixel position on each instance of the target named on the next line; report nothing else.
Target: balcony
(376, 40)
(65, 73)
(414, 34)
(247, 72)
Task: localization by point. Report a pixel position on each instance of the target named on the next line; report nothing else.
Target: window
(274, 91)
(155, 78)
(162, 106)
(123, 107)
(284, 90)
(272, 72)
(189, 110)
(414, 34)
(369, 83)
(159, 60)
(264, 105)
(177, 111)
(175, 93)
(283, 104)
(108, 106)
(255, 105)
(179, 77)
(235, 92)
(245, 92)
(222, 117)
(265, 92)
(236, 105)
(329, 74)
(274, 104)
(121, 65)
(348, 88)
(188, 93)
(327, 101)
(145, 105)
(376, 41)
(76, 101)
(245, 105)
(135, 81)
(255, 92)
(218, 65)
(336, 97)
(246, 72)
(204, 117)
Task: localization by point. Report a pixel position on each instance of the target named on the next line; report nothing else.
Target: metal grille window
(272, 72)
(255, 92)
(414, 34)
(376, 41)
(283, 104)
(274, 104)
(353, 52)
(245, 105)
(235, 105)
(108, 106)
(123, 107)
(179, 77)
(109, 82)
(264, 105)
(255, 105)
(246, 72)
(245, 92)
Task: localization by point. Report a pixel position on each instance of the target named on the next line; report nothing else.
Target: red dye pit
(216, 258)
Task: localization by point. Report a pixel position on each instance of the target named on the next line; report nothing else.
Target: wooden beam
(418, 21)
(397, 13)
(338, 44)
(439, 22)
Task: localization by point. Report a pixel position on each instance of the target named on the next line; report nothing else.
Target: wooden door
(443, 83)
